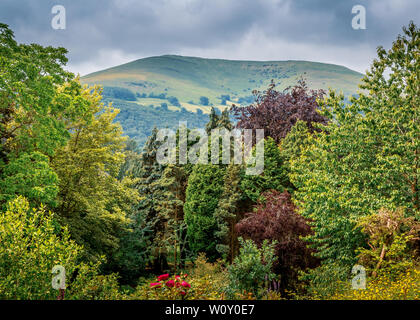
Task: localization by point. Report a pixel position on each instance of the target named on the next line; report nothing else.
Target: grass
(189, 78)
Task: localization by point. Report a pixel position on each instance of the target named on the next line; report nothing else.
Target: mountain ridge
(160, 91)
(190, 78)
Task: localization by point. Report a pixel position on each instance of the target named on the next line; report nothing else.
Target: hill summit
(198, 83)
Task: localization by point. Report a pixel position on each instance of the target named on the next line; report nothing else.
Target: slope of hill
(189, 78)
(175, 83)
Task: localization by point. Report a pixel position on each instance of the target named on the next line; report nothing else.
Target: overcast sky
(104, 33)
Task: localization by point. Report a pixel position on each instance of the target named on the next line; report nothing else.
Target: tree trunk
(381, 258)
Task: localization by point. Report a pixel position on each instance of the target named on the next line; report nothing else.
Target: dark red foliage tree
(276, 112)
(276, 219)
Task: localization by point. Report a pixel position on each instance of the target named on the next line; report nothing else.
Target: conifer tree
(170, 203)
(205, 187)
(227, 214)
(148, 172)
(273, 177)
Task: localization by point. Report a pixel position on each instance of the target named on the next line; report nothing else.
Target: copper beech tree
(278, 111)
(275, 219)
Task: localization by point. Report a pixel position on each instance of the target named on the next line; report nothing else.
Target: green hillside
(189, 78)
(161, 91)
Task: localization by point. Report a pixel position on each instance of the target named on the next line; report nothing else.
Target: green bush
(31, 244)
(30, 247)
(251, 268)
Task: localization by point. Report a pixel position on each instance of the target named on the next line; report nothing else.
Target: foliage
(204, 101)
(169, 205)
(138, 121)
(294, 143)
(92, 202)
(390, 235)
(218, 121)
(205, 187)
(119, 93)
(174, 101)
(385, 287)
(91, 285)
(324, 281)
(208, 280)
(251, 267)
(226, 214)
(276, 112)
(366, 157)
(147, 172)
(133, 254)
(31, 243)
(273, 177)
(164, 287)
(33, 105)
(31, 176)
(276, 219)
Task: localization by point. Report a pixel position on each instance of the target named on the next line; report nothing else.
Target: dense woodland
(340, 188)
(138, 121)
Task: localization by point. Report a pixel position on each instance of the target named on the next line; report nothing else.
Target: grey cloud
(151, 27)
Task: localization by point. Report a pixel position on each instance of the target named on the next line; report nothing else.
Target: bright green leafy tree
(34, 104)
(367, 157)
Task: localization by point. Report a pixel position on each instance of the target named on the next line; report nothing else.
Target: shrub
(31, 244)
(390, 236)
(208, 280)
(276, 219)
(251, 268)
(164, 287)
(325, 280)
(90, 285)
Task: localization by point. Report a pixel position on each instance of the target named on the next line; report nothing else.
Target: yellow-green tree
(31, 244)
(92, 202)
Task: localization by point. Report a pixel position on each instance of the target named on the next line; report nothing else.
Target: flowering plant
(171, 288)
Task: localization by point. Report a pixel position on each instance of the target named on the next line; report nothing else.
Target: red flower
(163, 277)
(185, 284)
(183, 293)
(155, 284)
(170, 283)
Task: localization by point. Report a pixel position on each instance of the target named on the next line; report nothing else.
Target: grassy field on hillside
(189, 78)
